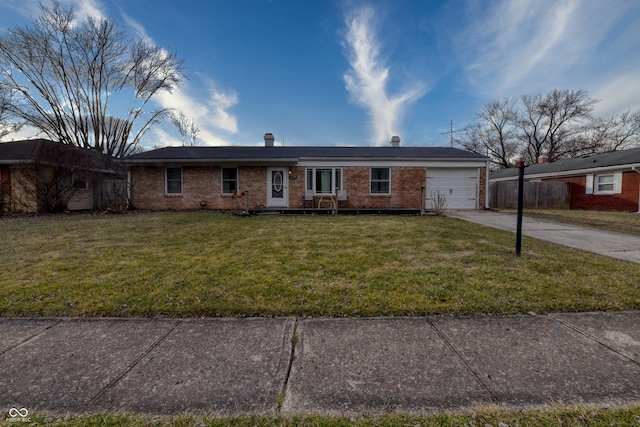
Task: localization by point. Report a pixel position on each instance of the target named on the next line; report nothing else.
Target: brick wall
(625, 201)
(296, 187)
(198, 183)
(405, 188)
(204, 183)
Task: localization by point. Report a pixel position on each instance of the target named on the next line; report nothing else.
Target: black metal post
(520, 203)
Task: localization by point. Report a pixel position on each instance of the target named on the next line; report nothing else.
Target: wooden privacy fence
(537, 195)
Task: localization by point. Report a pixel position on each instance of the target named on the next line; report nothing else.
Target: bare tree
(493, 134)
(618, 132)
(193, 131)
(66, 76)
(8, 125)
(558, 125)
(554, 124)
(186, 127)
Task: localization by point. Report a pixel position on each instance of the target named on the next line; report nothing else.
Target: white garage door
(458, 186)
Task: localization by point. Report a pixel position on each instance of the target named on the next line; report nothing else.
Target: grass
(186, 264)
(557, 416)
(621, 222)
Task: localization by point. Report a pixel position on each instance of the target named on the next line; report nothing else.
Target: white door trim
(273, 201)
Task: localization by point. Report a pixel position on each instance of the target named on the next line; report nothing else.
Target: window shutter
(617, 183)
(589, 184)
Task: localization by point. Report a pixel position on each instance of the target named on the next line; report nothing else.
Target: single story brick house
(39, 175)
(272, 177)
(606, 181)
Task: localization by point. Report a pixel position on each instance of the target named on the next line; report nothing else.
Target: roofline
(573, 172)
(18, 162)
(46, 163)
(293, 161)
(209, 161)
(389, 158)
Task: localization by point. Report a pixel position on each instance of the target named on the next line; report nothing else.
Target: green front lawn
(207, 264)
(580, 416)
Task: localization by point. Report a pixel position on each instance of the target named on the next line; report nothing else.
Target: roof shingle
(295, 153)
(612, 158)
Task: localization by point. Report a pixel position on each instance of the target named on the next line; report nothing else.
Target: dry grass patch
(621, 222)
(578, 416)
(206, 264)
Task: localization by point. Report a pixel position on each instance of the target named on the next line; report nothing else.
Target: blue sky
(349, 72)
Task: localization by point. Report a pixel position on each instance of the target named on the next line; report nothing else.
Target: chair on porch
(308, 197)
(342, 196)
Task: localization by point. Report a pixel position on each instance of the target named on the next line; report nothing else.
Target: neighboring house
(607, 181)
(269, 177)
(44, 176)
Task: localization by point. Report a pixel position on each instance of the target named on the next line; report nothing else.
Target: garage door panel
(458, 186)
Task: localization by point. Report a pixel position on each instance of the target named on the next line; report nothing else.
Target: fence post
(520, 203)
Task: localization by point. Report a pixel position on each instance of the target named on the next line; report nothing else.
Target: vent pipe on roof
(268, 140)
(395, 141)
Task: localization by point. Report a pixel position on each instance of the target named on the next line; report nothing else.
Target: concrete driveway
(615, 245)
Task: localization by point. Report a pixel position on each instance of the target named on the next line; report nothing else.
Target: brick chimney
(268, 140)
(395, 141)
(543, 159)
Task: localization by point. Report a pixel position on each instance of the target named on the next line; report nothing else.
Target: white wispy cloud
(86, 8)
(619, 94)
(210, 112)
(514, 47)
(137, 28)
(368, 77)
(31, 8)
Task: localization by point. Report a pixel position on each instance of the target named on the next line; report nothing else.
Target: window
(309, 179)
(380, 182)
(174, 180)
(80, 181)
(324, 180)
(606, 183)
(229, 180)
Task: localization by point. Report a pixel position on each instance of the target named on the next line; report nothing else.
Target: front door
(277, 183)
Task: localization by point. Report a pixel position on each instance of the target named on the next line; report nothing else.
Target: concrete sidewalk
(615, 245)
(334, 366)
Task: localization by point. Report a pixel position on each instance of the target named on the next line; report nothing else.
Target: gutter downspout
(486, 186)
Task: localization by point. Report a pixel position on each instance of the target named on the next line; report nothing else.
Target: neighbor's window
(380, 181)
(229, 180)
(80, 181)
(174, 180)
(604, 183)
(324, 180)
